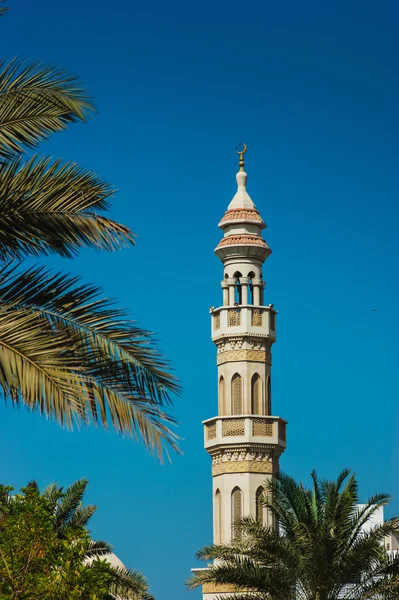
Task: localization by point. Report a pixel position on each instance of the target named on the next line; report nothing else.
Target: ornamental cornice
(225, 452)
(226, 336)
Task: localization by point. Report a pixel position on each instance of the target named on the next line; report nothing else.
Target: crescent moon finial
(241, 152)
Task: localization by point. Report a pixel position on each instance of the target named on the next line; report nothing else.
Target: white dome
(113, 560)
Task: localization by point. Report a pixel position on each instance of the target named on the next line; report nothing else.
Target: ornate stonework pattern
(236, 343)
(236, 395)
(216, 321)
(257, 317)
(234, 318)
(256, 344)
(242, 466)
(211, 431)
(262, 427)
(236, 452)
(232, 427)
(239, 355)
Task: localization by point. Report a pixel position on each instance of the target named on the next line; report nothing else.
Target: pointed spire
(241, 199)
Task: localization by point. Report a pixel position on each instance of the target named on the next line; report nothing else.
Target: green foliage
(320, 547)
(64, 350)
(46, 551)
(36, 563)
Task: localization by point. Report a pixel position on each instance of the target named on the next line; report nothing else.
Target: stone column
(232, 290)
(225, 289)
(257, 286)
(244, 282)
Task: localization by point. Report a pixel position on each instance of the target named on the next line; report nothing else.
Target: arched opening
(236, 510)
(251, 275)
(259, 507)
(222, 397)
(236, 395)
(256, 395)
(269, 394)
(238, 293)
(218, 517)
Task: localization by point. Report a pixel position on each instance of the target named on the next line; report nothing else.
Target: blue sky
(312, 88)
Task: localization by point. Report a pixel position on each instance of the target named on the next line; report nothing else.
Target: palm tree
(64, 350)
(321, 550)
(66, 506)
(69, 514)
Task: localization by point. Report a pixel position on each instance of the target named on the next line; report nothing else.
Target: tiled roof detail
(244, 240)
(236, 214)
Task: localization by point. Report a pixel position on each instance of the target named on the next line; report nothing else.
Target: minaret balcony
(234, 320)
(244, 429)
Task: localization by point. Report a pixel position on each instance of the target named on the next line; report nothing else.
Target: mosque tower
(245, 441)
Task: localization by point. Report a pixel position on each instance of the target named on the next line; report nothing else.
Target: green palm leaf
(35, 101)
(129, 584)
(78, 359)
(52, 207)
(320, 552)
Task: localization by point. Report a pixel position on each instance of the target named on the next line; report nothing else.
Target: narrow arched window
(236, 510)
(218, 517)
(236, 395)
(269, 395)
(238, 291)
(259, 508)
(251, 275)
(256, 395)
(222, 397)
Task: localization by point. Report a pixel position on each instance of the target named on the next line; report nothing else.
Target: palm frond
(77, 359)
(52, 495)
(68, 512)
(129, 584)
(97, 549)
(37, 100)
(322, 551)
(49, 207)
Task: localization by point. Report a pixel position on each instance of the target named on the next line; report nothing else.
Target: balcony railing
(258, 429)
(245, 318)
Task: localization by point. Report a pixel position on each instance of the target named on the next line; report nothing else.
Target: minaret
(244, 440)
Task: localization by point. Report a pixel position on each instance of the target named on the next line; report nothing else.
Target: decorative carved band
(242, 466)
(239, 355)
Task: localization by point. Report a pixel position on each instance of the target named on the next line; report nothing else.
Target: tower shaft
(244, 440)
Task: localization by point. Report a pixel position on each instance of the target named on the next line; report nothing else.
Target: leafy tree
(35, 563)
(321, 550)
(39, 560)
(64, 350)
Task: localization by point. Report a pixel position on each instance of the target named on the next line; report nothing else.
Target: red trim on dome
(242, 240)
(250, 214)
